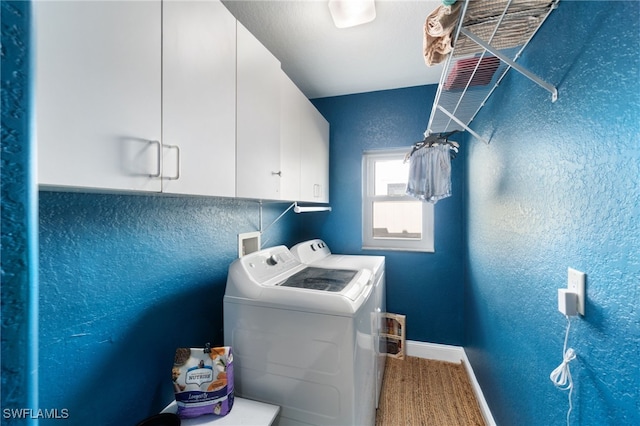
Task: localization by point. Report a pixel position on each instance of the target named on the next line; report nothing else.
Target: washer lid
(320, 279)
(257, 278)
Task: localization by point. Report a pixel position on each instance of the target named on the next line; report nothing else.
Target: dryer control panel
(311, 251)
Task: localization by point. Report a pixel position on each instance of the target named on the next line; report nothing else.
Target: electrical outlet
(575, 284)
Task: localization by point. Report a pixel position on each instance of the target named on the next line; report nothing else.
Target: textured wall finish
(19, 229)
(124, 281)
(557, 187)
(427, 287)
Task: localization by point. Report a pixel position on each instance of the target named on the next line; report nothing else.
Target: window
(391, 219)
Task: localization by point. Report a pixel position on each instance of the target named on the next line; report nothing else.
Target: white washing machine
(303, 337)
(317, 253)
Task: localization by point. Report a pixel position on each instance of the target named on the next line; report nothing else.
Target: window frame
(369, 242)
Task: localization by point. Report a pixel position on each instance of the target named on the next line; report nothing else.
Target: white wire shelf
(489, 39)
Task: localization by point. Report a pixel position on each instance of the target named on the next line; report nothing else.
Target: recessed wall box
(248, 242)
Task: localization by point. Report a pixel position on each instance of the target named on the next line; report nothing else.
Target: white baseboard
(449, 353)
(435, 351)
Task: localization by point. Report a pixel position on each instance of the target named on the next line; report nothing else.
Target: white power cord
(561, 376)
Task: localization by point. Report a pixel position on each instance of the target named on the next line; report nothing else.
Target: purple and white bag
(203, 381)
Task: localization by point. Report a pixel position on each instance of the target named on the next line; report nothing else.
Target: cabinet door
(258, 119)
(314, 158)
(292, 103)
(98, 88)
(199, 83)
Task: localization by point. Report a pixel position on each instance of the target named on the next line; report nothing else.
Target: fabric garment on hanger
(430, 173)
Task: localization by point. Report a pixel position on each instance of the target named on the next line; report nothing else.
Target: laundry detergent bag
(203, 381)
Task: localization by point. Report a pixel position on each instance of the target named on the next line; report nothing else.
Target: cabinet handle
(159, 172)
(277, 173)
(316, 190)
(177, 148)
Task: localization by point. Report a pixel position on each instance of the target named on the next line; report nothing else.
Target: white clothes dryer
(302, 338)
(316, 253)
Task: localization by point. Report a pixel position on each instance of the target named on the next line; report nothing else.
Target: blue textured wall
(557, 187)
(19, 225)
(427, 287)
(124, 281)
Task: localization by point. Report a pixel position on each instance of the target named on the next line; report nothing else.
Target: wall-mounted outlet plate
(575, 284)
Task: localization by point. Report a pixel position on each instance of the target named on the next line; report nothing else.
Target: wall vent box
(248, 242)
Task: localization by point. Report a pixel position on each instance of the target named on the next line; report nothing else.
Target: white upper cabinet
(314, 156)
(304, 147)
(98, 88)
(199, 98)
(292, 103)
(258, 120)
(175, 97)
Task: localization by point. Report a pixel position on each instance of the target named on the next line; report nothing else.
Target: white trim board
(449, 353)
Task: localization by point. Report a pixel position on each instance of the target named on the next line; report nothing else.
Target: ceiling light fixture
(349, 13)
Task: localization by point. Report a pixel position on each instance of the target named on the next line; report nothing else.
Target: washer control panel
(269, 263)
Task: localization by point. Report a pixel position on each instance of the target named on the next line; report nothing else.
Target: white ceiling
(326, 61)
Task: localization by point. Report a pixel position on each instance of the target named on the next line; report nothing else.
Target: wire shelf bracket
(464, 126)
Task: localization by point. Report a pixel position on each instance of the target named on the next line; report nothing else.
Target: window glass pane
(390, 177)
(397, 220)
(391, 220)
